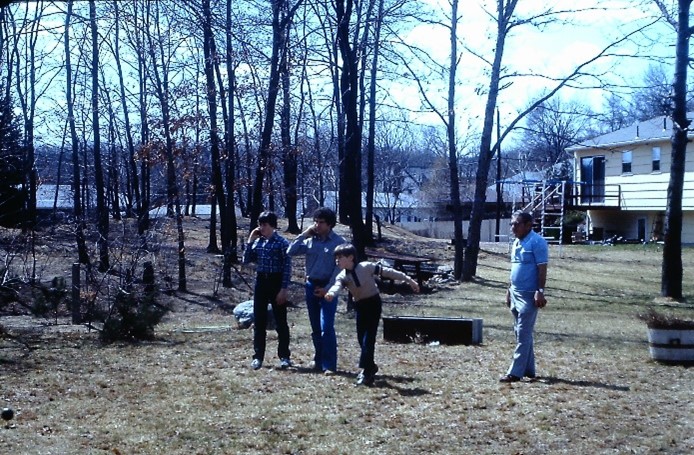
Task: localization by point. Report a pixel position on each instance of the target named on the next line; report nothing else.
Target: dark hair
(268, 218)
(344, 250)
(325, 214)
(525, 217)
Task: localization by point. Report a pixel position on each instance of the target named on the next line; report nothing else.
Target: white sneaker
(285, 363)
(256, 364)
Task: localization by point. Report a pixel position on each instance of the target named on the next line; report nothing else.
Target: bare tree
(82, 253)
(671, 278)
(101, 206)
(160, 73)
(349, 93)
(549, 130)
(506, 22)
(448, 119)
(289, 152)
(281, 19)
(133, 186)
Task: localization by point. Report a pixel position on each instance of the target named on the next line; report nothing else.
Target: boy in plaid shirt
(268, 250)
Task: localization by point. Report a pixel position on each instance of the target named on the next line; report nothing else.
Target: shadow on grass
(392, 382)
(490, 283)
(551, 380)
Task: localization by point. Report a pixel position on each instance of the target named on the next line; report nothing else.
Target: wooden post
(148, 277)
(76, 303)
(378, 226)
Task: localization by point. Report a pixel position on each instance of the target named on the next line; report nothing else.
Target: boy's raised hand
(255, 233)
(415, 286)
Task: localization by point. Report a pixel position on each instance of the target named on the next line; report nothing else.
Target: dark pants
(368, 312)
(267, 286)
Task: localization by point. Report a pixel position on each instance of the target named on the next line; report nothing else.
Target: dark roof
(652, 130)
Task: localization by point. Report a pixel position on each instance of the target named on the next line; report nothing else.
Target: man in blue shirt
(529, 258)
(268, 250)
(318, 242)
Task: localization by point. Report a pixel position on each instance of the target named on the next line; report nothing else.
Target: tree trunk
(504, 13)
(230, 253)
(453, 148)
(143, 220)
(82, 254)
(288, 152)
(349, 91)
(133, 186)
(268, 123)
(101, 206)
(161, 85)
(217, 181)
(371, 141)
(671, 279)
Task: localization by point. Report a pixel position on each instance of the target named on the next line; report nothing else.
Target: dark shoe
(285, 363)
(509, 378)
(369, 379)
(256, 364)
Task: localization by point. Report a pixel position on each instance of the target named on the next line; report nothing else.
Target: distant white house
(46, 200)
(46, 197)
(512, 188)
(405, 206)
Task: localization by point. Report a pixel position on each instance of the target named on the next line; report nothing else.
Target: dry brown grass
(192, 392)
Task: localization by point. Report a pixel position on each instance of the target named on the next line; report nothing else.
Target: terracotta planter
(671, 345)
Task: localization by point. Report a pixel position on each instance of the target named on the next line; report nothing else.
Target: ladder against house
(546, 203)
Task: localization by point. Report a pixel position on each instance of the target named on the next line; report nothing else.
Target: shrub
(134, 314)
(48, 299)
(656, 320)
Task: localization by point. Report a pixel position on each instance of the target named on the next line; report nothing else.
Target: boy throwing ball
(359, 279)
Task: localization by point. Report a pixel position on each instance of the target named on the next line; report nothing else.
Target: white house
(623, 178)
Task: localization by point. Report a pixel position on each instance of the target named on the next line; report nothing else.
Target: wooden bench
(410, 265)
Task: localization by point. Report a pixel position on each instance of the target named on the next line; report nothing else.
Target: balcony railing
(586, 195)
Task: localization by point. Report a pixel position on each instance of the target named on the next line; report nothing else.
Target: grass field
(191, 391)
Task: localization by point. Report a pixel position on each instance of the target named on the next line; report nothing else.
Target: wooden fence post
(76, 303)
(148, 277)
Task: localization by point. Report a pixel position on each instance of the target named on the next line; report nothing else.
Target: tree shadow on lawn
(381, 382)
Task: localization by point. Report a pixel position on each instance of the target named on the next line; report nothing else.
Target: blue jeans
(321, 314)
(524, 316)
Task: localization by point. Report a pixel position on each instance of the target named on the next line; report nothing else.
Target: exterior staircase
(546, 201)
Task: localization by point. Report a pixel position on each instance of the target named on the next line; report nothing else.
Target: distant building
(623, 179)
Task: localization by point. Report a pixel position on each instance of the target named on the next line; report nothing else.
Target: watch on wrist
(541, 290)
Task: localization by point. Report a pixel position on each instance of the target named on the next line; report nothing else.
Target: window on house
(626, 162)
(656, 159)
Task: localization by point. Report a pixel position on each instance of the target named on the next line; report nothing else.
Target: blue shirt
(320, 260)
(527, 253)
(271, 256)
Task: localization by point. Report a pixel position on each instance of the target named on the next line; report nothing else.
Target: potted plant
(670, 338)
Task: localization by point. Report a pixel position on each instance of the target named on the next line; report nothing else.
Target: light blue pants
(524, 316)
